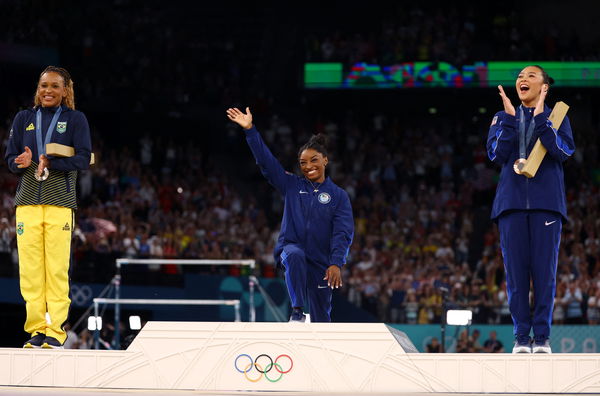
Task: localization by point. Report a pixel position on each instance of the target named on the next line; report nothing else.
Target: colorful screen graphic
(441, 74)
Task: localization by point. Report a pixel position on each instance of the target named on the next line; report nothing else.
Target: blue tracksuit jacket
(76, 134)
(321, 223)
(72, 130)
(545, 191)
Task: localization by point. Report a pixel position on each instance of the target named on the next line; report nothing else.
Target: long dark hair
(316, 142)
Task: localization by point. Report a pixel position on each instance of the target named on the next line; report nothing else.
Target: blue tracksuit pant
(304, 279)
(530, 242)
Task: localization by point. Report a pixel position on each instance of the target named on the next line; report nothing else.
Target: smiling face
(529, 85)
(51, 89)
(312, 165)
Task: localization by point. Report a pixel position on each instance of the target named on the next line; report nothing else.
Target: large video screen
(441, 74)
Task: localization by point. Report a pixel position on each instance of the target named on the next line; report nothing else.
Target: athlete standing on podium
(317, 226)
(46, 201)
(530, 211)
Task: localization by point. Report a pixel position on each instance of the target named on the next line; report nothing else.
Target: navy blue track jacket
(320, 222)
(76, 134)
(72, 130)
(546, 190)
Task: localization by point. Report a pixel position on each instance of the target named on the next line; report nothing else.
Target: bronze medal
(519, 165)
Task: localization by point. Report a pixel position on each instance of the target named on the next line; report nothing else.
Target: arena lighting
(482, 110)
(135, 323)
(94, 323)
(432, 110)
(459, 317)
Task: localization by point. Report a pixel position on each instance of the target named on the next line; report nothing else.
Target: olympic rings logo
(81, 294)
(255, 364)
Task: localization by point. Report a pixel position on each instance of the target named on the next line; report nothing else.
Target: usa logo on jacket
(324, 198)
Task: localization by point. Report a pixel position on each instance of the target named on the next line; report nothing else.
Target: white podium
(300, 357)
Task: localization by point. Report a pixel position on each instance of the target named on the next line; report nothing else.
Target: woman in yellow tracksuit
(45, 202)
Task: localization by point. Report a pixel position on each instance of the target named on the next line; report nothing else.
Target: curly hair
(68, 100)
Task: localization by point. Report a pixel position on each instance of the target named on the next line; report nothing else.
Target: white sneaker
(542, 348)
(521, 347)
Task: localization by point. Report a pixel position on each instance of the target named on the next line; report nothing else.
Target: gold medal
(518, 165)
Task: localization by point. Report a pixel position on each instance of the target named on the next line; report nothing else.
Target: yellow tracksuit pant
(44, 246)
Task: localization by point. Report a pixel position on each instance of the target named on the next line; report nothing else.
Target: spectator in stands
(492, 344)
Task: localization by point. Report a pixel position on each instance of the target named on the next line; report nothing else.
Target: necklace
(315, 188)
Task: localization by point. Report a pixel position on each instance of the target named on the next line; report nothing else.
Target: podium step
(294, 357)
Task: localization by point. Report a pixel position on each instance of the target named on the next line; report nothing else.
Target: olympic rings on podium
(272, 364)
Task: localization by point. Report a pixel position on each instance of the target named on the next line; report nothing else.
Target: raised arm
(559, 142)
(268, 164)
(502, 134)
(502, 138)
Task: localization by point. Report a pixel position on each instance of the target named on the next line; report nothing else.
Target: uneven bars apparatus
(158, 301)
(127, 261)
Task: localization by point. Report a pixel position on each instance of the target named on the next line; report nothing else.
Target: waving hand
(243, 119)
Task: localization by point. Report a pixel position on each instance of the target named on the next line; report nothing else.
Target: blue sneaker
(36, 341)
(522, 344)
(297, 316)
(52, 343)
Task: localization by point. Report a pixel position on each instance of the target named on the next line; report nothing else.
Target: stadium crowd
(458, 34)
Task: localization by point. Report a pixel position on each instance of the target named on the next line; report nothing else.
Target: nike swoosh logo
(322, 287)
(548, 223)
(303, 192)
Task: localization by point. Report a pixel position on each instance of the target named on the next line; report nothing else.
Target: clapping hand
(44, 163)
(508, 106)
(24, 159)
(539, 106)
(244, 120)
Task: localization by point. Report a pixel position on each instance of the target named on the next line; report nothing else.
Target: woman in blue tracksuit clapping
(530, 211)
(317, 225)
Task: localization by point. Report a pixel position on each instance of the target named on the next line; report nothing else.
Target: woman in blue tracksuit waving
(530, 212)
(317, 225)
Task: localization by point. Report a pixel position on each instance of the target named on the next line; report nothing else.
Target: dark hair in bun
(316, 142)
(547, 79)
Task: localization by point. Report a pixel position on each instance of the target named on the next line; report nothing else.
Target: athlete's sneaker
(542, 346)
(522, 345)
(297, 316)
(52, 343)
(36, 341)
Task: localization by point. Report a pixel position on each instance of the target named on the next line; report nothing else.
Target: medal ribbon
(41, 148)
(524, 140)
